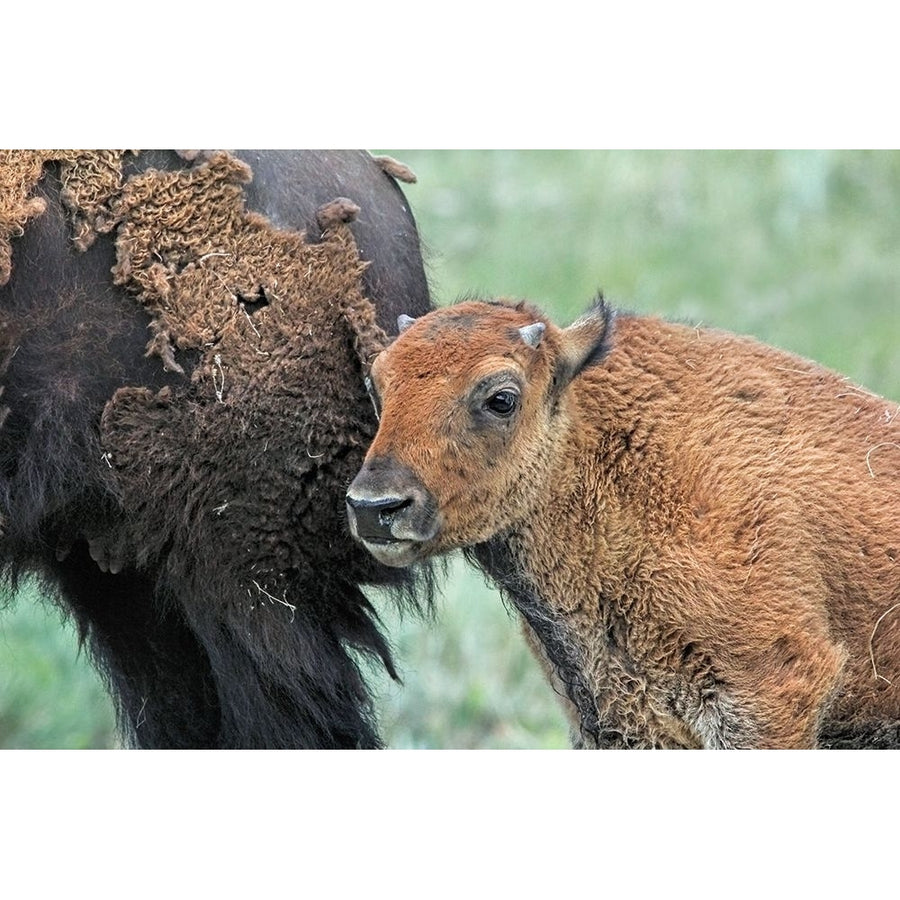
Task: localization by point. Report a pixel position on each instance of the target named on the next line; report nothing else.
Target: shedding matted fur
(225, 486)
(284, 335)
(90, 178)
(19, 173)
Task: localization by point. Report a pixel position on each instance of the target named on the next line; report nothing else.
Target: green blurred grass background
(799, 248)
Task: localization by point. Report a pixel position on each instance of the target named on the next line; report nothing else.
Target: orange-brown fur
(710, 526)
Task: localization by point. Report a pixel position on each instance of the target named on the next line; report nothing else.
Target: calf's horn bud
(403, 322)
(532, 334)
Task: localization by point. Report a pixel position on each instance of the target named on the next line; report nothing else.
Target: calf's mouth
(391, 512)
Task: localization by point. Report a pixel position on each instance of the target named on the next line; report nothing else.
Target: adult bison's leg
(282, 672)
(201, 672)
(160, 676)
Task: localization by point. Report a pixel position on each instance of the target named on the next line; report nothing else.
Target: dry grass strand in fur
(878, 447)
(881, 618)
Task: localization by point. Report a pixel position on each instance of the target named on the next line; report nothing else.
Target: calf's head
(472, 401)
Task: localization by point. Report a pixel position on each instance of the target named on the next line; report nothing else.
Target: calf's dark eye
(503, 403)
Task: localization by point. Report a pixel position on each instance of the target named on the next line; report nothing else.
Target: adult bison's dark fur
(186, 503)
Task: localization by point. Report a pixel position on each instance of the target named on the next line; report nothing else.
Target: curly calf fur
(702, 533)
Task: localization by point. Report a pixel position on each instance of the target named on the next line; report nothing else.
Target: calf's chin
(397, 554)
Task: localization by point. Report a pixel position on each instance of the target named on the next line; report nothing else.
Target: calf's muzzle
(391, 512)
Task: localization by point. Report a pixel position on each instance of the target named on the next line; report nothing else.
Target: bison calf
(701, 533)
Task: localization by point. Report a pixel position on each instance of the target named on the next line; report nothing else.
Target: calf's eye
(503, 403)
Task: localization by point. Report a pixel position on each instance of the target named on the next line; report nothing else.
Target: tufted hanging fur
(206, 480)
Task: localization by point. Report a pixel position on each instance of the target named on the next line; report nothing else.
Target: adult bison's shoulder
(185, 339)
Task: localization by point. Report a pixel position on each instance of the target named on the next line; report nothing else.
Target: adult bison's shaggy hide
(185, 405)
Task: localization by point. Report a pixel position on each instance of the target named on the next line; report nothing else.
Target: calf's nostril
(374, 517)
(386, 513)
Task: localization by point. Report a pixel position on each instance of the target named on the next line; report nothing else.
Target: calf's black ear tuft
(584, 343)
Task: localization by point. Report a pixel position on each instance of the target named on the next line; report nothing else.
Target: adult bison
(700, 532)
(184, 339)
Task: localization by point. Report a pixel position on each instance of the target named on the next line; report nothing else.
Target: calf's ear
(583, 344)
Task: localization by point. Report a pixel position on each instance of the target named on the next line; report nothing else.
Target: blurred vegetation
(799, 248)
(50, 696)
